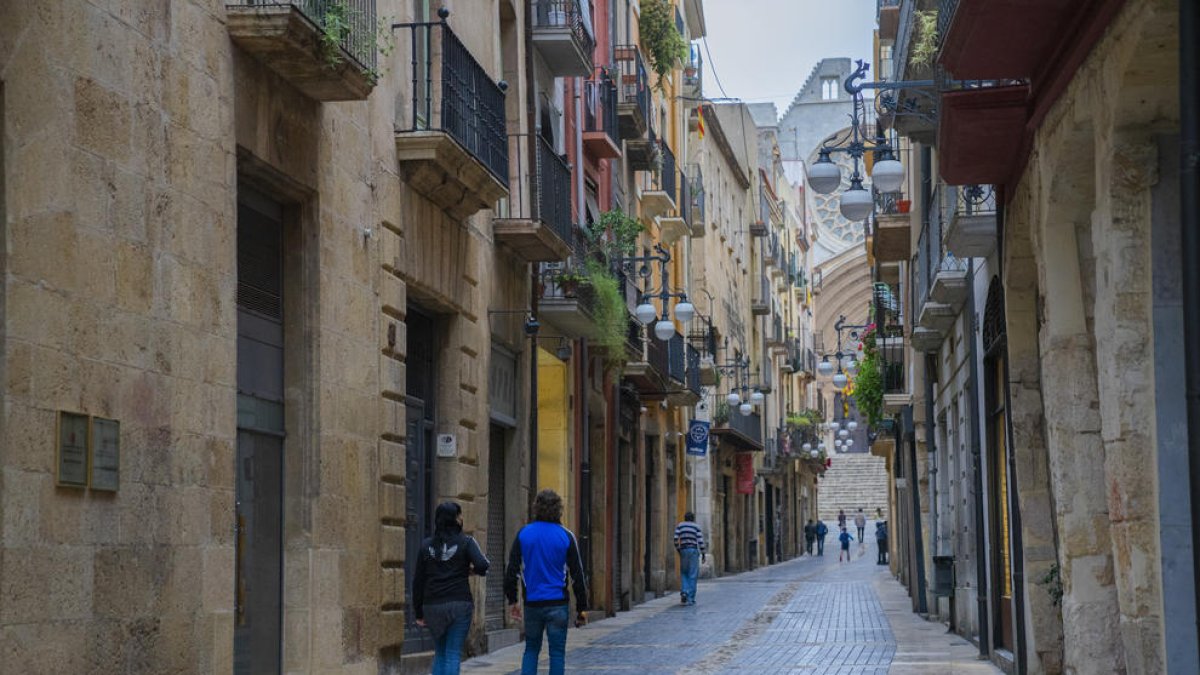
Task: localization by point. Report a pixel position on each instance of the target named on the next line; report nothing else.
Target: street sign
(697, 438)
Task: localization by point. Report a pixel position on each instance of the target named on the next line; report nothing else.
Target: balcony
(567, 304)
(888, 15)
(642, 154)
(695, 19)
(971, 227)
(535, 222)
(760, 305)
(563, 34)
(648, 370)
(892, 233)
(658, 197)
(742, 431)
(981, 128)
(600, 137)
(772, 254)
(293, 39)
(759, 227)
(451, 140)
(693, 79)
(698, 217)
(679, 380)
(633, 92)
(777, 339)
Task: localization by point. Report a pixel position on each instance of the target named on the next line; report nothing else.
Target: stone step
(853, 481)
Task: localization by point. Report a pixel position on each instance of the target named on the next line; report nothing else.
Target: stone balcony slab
(435, 165)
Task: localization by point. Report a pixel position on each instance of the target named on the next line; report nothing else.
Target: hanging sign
(697, 438)
(745, 473)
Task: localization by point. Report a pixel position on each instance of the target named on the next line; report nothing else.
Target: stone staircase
(855, 480)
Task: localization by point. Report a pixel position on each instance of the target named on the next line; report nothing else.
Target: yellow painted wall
(554, 430)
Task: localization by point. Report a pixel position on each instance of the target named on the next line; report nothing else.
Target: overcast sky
(764, 49)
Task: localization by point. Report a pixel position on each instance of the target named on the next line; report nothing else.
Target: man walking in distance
(689, 541)
(822, 530)
(810, 534)
(542, 555)
(860, 521)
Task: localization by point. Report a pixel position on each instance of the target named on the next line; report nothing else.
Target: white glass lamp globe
(757, 397)
(806, 447)
(821, 447)
(825, 368)
(815, 453)
(852, 425)
(733, 398)
(856, 202)
(851, 364)
(837, 443)
(840, 380)
(645, 313)
(685, 311)
(745, 409)
(664, 330)
(849, 442)
(888, 175)
(824, 176)
(843, 433)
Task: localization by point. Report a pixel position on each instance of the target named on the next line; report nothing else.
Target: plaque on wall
(106, 454)
(72, 443)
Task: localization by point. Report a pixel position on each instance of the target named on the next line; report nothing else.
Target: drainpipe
(585, 464)
(1189, 190)
(981, 582)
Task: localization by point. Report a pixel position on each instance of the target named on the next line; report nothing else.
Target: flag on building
(700, 121)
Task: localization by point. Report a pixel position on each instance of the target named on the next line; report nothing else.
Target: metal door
(494, 602)
(258, 578)
(420, 388)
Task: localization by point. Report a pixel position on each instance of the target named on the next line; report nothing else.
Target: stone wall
(1077, 241)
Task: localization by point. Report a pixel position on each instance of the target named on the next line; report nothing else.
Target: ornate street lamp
(646, 313)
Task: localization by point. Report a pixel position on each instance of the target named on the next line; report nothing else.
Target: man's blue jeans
(447, 654)
(553, 620)
(689, 571)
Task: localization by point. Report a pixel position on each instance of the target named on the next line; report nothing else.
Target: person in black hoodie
(441, 593)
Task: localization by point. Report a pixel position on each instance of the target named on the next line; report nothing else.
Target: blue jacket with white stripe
(542, 555)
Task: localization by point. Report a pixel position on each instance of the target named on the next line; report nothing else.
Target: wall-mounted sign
(745, 473)
(447, 445)
(106, 454)
(697, 438)
(72, 444)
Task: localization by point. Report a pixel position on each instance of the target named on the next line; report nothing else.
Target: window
(829, 88)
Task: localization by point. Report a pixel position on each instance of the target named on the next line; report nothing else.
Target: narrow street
(808, 615)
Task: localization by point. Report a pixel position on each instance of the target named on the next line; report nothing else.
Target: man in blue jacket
(542, 555)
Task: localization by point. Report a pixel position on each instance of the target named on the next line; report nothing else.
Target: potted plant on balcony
(568, 282)
(903, 205)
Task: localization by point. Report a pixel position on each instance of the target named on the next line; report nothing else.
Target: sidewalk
(808, 615)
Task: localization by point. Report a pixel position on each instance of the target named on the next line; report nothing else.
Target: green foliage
(612, 318)
(803, 419)
(721, 414)
(615, 235)
(1052, 580)
(337, 22)
(868, 387)
(926, 45)
(665, 48)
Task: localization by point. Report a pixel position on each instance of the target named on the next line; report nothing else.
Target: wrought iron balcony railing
(633, 85)
(677, 358)
(564, 14)
(543, 193)
(685, 198)
(354, 19)
(693, 370)
(669, 175)
(600, 106)
(451, 92)
(946, 10)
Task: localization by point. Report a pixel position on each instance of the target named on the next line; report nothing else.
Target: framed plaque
(106, 454)
(72, 448)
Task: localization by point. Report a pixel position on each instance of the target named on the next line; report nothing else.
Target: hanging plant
(665, 48)
(612, 318)
(615, 235)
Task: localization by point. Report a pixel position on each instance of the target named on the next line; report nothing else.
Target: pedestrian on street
(822, 530)
(542, 555)
(689, 542)
(442, 600)
(841, 519)
(845, 537)
(881, 541)
(860, 521)
(810, 534)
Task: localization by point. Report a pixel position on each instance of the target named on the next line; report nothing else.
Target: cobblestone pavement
(809, 615)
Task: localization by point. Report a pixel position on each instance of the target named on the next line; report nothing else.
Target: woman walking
(441, 593)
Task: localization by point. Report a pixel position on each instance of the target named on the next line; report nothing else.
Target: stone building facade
(1067, 340)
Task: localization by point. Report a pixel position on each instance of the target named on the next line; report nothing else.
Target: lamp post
(887, 174)
(646, 313)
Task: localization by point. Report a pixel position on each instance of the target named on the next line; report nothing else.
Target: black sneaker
(683, 599)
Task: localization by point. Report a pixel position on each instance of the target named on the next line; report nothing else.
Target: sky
(763, 50)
